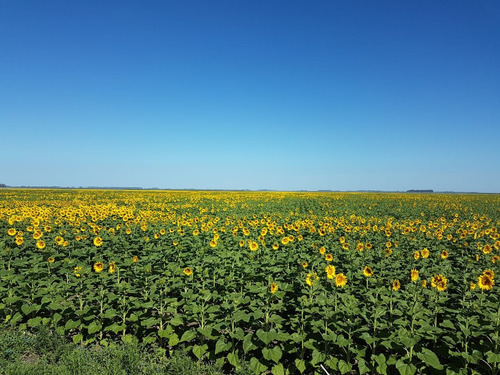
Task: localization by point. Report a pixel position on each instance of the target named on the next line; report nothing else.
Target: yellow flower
(51, 260)
(311, 279)
(424, 284)
(242, 243)
(196, 232)
(367, 271)
(188, 271)
(276, 246)
(439, 282)
(112, 267)
(495, 258)
(487, 249)
(135, 259)
(285, 240)
(37, 234)
(77, 270)
(490, 273)
(19, 241)
(360, 246)
(254, 246)
(59, 240)
(322, 250)
(414, 275)
(213, 243)
(274, 288)
(11, 232)
(396, 285)
(340, 280)
(472, 286)
(425, 253)
(330, 271)
(444, 254)
(388, 251)
(98, 241)
(40, 244)
(328, 257)
(304, 264)
(485, 282)
(416, 255)
(98, 267)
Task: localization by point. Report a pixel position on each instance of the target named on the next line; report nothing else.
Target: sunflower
(342, 239)
(345, 246)
(98, 267)
(40, 244)
(11, 232)
(304, 264)
(242, 243)
(311, 279)
(254, 246)
(340, 280)
(330, 271)
(163, 231)
(188, 271)
(495, 258)
(368, 245)
(97, 241)
(367, 271)
(396, 285)
(285, 240)
(135, 259)
(322, 250)
(485, 282)
(414, 275)
(59, 240)
(51, 259)
(274, 288)
(77, 270)
(444, 254)
(472, 286)
(487, 249)
(424, 284)
(196, 232)
(328, 257)
(439, 282)
(276, 246)
(37, 234)
(213, 243)
(425, 253)
(19, 241)
(112, 267)
(388, 251)
(489, 273)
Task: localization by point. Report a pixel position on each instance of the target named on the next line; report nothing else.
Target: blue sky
(285, 95)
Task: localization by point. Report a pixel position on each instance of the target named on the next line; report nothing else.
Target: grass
(46, 353)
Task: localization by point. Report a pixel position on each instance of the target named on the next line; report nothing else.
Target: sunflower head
(340, 280)
(414, 275)
(98, 267)
(396, 285)
(367, 271)
(273, 288)
(484, 282)
(330, 271)
(188, 271)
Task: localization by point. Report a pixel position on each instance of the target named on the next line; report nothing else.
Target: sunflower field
(287, 283)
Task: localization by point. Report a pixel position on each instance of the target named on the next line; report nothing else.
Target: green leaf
(94, 327)
(173, 340)
(362, 366)
(199, 350)
(188, 335)
(248, 344)
(221, 346)
(35, 322)
(256, 366)
(232, 358)
(381, 362)
(176, 321)
(344, 367)
(77, 338)
(490, 356)
(278, 370)
(430, 358)
(263, 336)
(405, 368)
(300, 364)
(166, 333)
(71, 324)
(317, 357)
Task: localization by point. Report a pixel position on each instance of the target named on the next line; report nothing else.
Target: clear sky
(251, 94)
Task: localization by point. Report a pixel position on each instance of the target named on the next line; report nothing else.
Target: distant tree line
(420, 191)
(2, 185)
